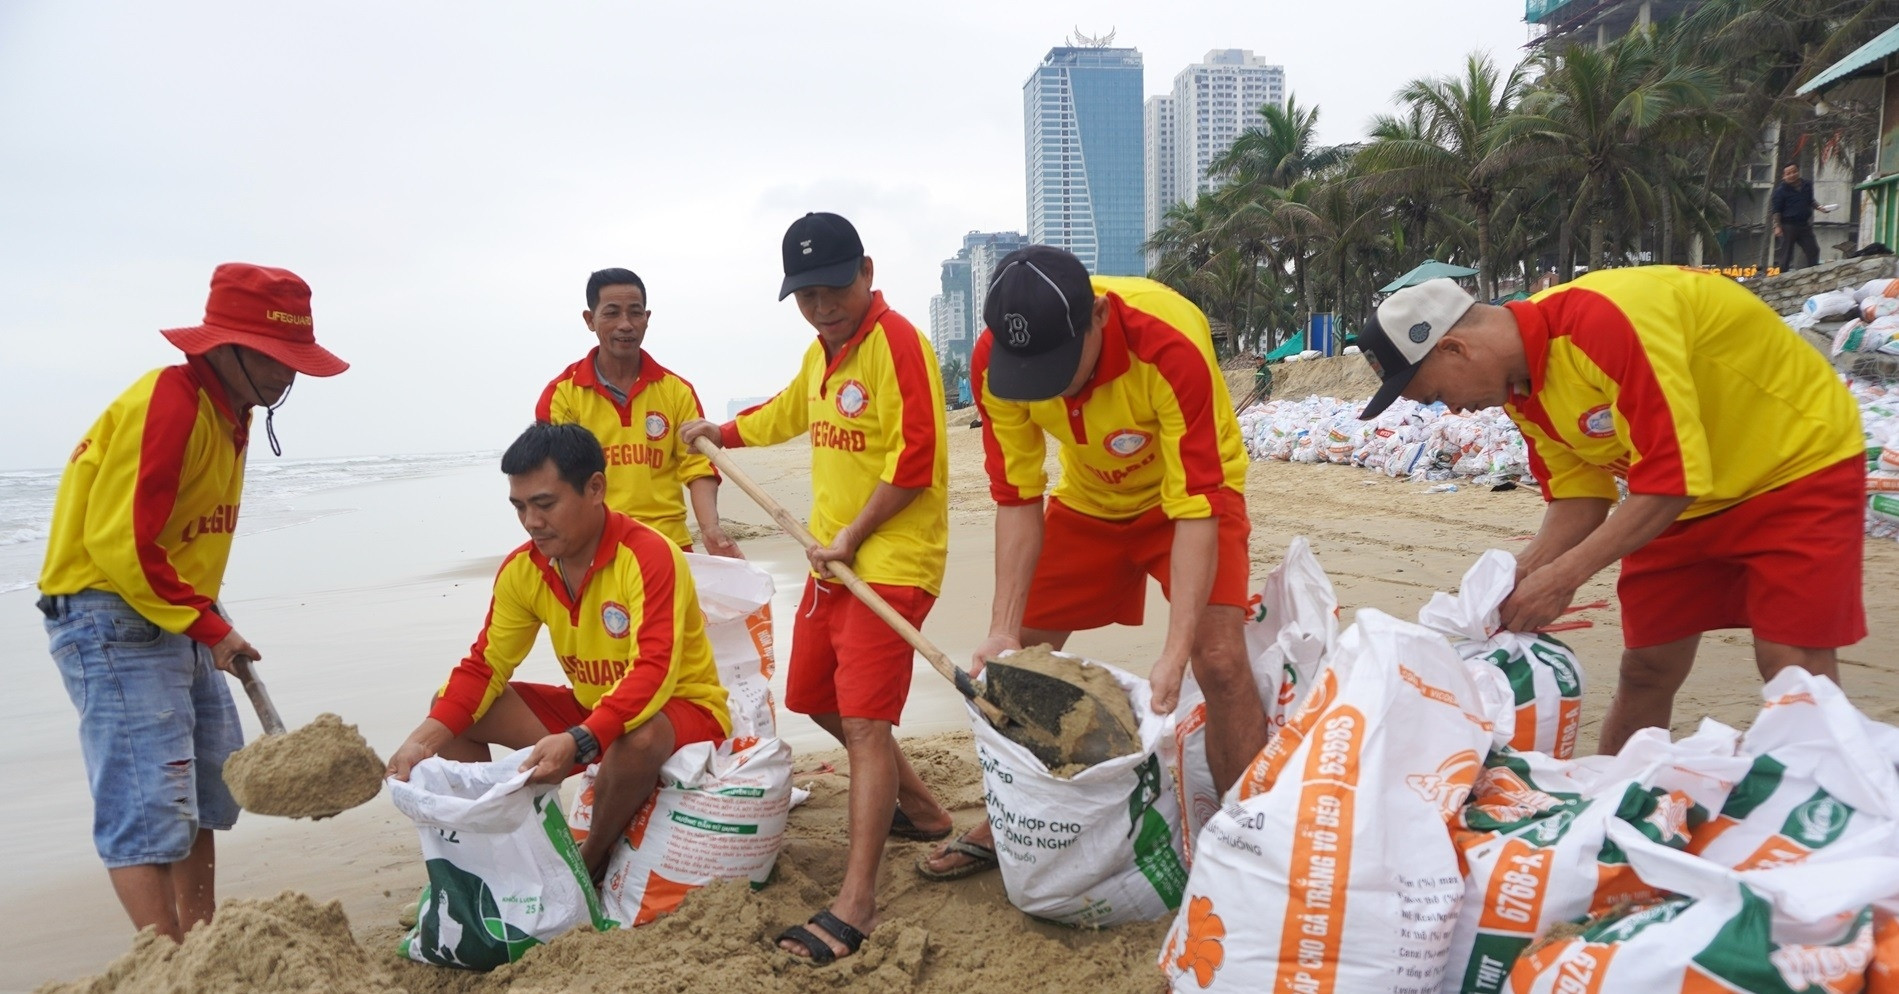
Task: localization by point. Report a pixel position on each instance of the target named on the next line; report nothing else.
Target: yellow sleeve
(685, 406)
(911, 395)
(1014, 448)
(131, 503)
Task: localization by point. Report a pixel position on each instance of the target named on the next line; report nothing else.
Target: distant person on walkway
(869, 398)
(141, 533)
(1120, 372)
(1793, 206)
(623, 618)
(634, 406)
(1740, 447)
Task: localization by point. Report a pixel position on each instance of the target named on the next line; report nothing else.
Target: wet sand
(363, 610)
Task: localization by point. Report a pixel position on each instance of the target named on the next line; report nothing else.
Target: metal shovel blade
(1060, 722)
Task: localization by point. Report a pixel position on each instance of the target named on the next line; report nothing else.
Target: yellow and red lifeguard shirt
(1679, 381)
(634, 639)
(647, 464)
(1154, 427)
(149, 499)
(874, 413)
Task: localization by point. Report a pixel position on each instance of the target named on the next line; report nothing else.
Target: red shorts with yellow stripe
(847, 661)
(559, 710)
(1093, 571)
(1786, 564)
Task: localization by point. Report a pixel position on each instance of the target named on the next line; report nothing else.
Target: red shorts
(847, 661)
(1786, 564)
(559, 710)
(1093, 571)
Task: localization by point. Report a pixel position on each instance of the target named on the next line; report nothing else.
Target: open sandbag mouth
(317, 771)
(1069, 714)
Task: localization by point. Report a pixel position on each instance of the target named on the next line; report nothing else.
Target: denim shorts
(156, 723)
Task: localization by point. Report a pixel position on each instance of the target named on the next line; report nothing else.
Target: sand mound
(1347, 377)
(286, 944)
(313, 772)
(949, 938)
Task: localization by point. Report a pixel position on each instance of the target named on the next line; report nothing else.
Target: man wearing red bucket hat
(141, 532)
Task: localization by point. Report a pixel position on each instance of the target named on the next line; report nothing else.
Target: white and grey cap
(1403, 331)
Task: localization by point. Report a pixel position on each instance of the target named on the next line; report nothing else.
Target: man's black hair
(611, 277)
(574, 450)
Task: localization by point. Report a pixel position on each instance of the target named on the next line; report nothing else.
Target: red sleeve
(648, 683)
(916, 466)
(1189, 376)
(170, 419)
(544, 409)
(729, 437)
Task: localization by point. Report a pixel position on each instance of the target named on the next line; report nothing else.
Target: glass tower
(1083, 128)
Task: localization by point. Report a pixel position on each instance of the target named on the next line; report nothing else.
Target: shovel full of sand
(319, 770)
(1065, 713)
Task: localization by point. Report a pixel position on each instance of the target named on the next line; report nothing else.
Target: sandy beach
(362, 610)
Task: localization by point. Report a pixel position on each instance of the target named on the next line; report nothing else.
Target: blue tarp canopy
(1430, 269)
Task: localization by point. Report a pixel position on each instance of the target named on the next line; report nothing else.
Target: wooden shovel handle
(260, 698)
(878, 606)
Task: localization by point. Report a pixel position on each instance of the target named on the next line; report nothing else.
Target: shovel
(1010, 696)
(260, 698)
(260, 782)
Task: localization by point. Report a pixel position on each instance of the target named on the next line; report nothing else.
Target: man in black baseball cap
(1120, 371)
(869, 398)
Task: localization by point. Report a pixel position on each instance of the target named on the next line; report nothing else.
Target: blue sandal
(820, 950)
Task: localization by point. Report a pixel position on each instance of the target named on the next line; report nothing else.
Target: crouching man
(623, 616)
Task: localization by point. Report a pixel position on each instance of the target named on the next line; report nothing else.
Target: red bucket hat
(263, 309)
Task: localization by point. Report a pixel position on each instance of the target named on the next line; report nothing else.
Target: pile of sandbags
(1871, 310)
(1389, 839)
(1409, 439)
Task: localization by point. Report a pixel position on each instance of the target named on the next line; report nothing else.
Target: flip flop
(813, 943)
(983, 859)
(903, 828)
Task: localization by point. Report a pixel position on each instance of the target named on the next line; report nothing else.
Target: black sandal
(820, 950)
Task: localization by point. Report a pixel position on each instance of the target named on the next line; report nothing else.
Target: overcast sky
(445, 176)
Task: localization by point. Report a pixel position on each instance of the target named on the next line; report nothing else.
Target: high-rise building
(956, 312)
(1160, 167)
(1214, 100)
(1082, 123)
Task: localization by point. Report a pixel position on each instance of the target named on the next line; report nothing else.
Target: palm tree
(954, 370)
(1463, 139)
(1597, 117)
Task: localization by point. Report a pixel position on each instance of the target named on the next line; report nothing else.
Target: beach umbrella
(1429, 269)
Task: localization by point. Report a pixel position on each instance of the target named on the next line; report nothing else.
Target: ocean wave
(20, 536)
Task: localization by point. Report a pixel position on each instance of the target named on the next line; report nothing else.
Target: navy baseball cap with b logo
(1403, 331)
(820, 250)
(1039, 309)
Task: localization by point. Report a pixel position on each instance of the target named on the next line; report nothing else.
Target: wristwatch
(586, 747)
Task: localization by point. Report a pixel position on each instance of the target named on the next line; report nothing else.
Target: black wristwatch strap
(586, 747)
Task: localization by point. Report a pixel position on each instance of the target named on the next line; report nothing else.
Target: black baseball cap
(820, 250)
(1039, 309)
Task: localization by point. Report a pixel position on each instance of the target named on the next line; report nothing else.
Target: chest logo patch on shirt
(1126, 442)
(616, 619)
(1597, 422)
(852, 398)
(656, 426)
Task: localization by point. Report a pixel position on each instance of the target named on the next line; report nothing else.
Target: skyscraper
(1214, 100)
(1082, 124)
(956, 313)
(1160, 166)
